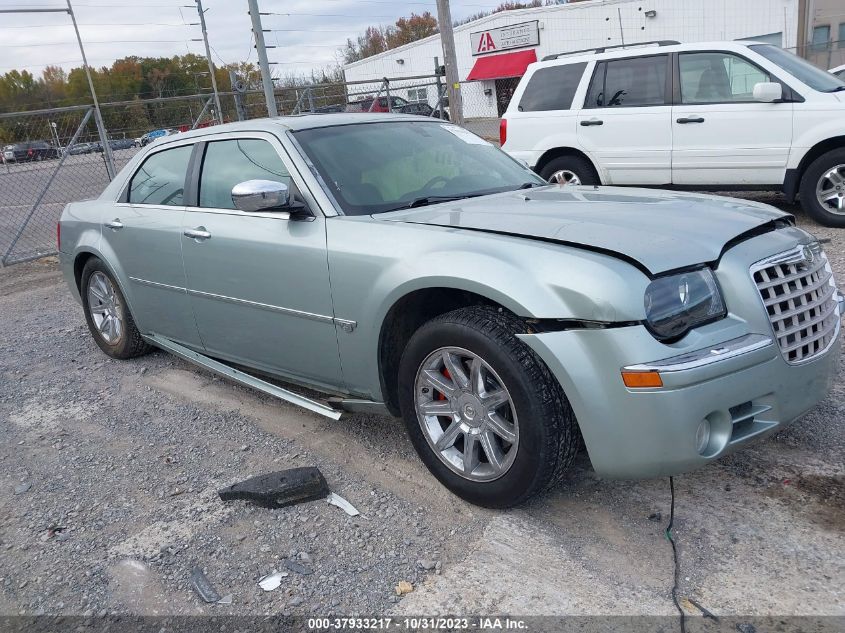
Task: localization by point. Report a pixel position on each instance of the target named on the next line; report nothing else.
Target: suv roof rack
(602, 49)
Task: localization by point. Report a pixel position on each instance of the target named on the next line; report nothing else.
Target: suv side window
(228, 163)
(718, 78)
(631, 82)
(552, 88)
(161, 178)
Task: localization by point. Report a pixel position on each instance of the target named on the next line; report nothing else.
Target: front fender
(374, 264)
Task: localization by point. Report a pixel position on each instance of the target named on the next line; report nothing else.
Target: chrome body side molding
(700, 358)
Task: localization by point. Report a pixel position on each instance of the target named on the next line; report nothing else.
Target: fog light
(702, 436)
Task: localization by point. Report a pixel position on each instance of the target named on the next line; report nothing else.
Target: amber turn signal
(642, 379)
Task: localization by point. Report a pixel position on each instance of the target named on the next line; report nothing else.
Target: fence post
(310, 99)
(202, 113)
(46, 187)
(387, 94)
(439, 104)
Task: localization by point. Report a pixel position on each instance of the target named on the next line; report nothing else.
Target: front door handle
(198, 233)
(693, 119)
(115, 224)
(590, 122)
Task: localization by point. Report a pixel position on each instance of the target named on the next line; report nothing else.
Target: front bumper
(637, 433)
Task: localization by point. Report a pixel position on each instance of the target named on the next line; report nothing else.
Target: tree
(378, 39)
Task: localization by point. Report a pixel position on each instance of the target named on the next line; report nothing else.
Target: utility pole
(447, 39)
(98, 117)
(210, 63)
(266, 78)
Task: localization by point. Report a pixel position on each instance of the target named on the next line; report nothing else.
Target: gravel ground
(110, 471)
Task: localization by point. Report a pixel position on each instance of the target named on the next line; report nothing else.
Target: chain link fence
(826, 55)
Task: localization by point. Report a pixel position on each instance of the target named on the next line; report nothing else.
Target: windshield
(384, 166)
(801, 69)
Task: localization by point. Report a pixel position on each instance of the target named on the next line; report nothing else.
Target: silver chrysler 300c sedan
(404, 265)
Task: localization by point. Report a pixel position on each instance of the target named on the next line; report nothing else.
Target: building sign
(506, 37)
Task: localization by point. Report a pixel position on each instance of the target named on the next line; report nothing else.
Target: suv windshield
(380, 167)
(799, 68)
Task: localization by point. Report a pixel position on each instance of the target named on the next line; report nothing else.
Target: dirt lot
(110, 471)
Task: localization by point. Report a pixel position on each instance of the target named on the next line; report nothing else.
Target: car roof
(647, 48)
(296, 122)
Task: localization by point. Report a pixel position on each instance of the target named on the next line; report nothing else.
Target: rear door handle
(198, 233)
(693, 119)
(590, 122)
(115, 224)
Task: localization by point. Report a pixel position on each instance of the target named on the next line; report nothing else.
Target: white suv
(724, 115)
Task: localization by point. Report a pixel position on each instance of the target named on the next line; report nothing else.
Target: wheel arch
(558, 152)
(83, 256)
(404, 317)
(792, 185)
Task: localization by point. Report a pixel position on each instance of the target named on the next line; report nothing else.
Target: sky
(307, 33)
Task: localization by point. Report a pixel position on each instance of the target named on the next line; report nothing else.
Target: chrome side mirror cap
(768, 92)
(261, 195)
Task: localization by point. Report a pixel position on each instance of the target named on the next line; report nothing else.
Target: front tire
(822, 189)
(570, 170)
(483, 412)
(107, 313)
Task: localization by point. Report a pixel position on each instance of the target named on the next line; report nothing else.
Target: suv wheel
(823, 189)
(107, 313)
(483, 411)
(570, 170)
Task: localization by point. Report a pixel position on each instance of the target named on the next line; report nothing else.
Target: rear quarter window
(552, 88)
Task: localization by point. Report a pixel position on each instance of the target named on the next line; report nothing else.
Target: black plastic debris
(202, 586)
(279, 489)
(298, 568)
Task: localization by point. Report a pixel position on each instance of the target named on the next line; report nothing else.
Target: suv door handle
(115, 224)
(590, 122)
(695, 119)
(198, 233)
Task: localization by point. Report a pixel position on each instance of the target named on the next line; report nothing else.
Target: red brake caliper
(446, 373)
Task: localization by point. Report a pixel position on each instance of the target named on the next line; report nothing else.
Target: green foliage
(377, 39)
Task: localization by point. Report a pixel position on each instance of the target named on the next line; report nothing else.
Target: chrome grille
(798, 291)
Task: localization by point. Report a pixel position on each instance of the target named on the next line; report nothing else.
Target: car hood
(656, 230)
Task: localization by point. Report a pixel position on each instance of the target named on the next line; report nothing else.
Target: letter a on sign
(485, 43)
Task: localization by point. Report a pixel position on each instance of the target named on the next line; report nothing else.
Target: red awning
(501, 66)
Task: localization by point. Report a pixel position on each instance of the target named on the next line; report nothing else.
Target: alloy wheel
(830, 190)
(104, 307)
(466, 414)
(565, 177)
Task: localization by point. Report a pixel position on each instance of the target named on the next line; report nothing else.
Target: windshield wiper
(426, 200)
(529, 185)
(837, 89)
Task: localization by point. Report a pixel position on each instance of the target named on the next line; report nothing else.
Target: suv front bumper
(635, 433)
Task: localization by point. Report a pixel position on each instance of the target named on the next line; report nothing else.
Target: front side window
(380, 167)
(552, 88)
(718, 78)
(638, 81)
(161, 178)
(227, 163)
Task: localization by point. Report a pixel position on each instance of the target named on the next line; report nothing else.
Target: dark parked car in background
(29, 151)
(80, 148)
(398, 104)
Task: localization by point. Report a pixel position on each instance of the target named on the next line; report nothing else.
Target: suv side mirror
(768, 92)
(261, 195)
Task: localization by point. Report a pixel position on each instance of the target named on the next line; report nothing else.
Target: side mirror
(261, 195)
(768, 92)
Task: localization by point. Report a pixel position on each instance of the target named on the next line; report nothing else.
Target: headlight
(677, 303)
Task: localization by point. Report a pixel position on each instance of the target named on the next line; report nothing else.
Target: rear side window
(228, 163)
(620, 83)
(161, 178)
(552, 88)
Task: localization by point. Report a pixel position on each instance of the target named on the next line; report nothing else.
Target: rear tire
(107, 313)
(543, 430)
(822, 190)
(570, 170)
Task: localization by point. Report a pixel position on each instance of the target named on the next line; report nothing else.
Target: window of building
(228, 163)
(718, 78)
(637, 81)
(161, 178)
(821, 37)
(417, 94)
(841, 36)
(552, 88)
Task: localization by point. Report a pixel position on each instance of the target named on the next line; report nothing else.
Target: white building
(494, 51)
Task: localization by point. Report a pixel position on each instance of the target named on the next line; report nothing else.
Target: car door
(258, 282)
(626, 121)
(721, 135)
(144, 231)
